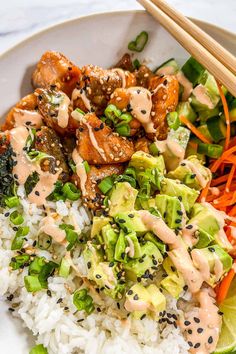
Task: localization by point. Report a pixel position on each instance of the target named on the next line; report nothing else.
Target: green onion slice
(136, 64)
(38, 349)
(86, 166)
(154, 149)
(18, 240)
(106, 184)
(44, 241)
(12, 202)
(126, 117)
(123, 129)
(173, 120)
(112, 112)
(139, 43)
(70, 191)
(83, 301)
(64, 269)
(32, 283)
(16, 218)
(20, 261)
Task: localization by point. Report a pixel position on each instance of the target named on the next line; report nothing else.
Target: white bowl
(98, 39)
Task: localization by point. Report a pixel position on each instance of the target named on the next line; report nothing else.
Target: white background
(20, 18)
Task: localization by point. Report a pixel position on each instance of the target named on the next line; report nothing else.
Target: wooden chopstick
(223, 55)
(200, 53)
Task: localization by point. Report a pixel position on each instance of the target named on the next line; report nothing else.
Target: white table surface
(21, 18)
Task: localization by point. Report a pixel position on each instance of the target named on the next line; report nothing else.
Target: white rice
(54, 323)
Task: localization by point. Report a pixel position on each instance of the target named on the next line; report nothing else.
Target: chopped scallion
(112, 113)
(136, 64)
(44, 241)
(16, 218)
(18, 240)
(70, 191)
(173, 120)
(83, 301)
(106, 184)
(19, 261)
(210, 150)
(86, 166)
(64, 269)
(123, 129)
(38, 349)
(139, 43)
(12, 202)
(32, 283)
(126, 117)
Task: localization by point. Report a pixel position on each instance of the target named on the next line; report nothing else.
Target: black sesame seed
(101, 126)
(211, 249)
(118, 305)
(15, 176)
(143, 111)
(121, 221)
(173, 268)
(80, 320)
(143, 316)
(7, 214)
(131, 216)
(175, 325)
(169, 315)
(123, 255)
(139, 279)
(151, 276)
(187, 323)
(174, 317)
(49, 293)
(141, 260)
(196, 319)
(180, 198)
(138, 91)
(98, 276)
(178, 221)
(59, 300)
(98, 309)
(10, 297)
(37, 193)
(89, 265)
(165, 82)
(190, 331)
(81, 129)
(135, 297)
(34, 243)
(15, 228)
(130, 292)
(165, 214)
(199, 330)
(111, 264)
(66, 308)
(185, 287)
(154, 262)
(193, 175)
(179, 212)
(11, 309)
(189, 227)
(210, 340)
(220, 313)
(197, 345)
(190, 344)
(183, 164)
(96, 129)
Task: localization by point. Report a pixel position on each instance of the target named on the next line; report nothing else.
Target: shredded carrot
(194, 130)
(225, 285)
(226, 112)
(204, 192)
(219, 180)
(229, 181)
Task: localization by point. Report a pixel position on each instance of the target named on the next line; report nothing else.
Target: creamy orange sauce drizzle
(25, 167)
(200, 178)
(141, 104)
(81, 94)
(188, 235)
(187, 85)
(172, 151)
(200, 93)
(201, 263)
(136, 305)
(203, 324)
(22, 117)
(80, 170)
(131, 247)
(121, 74)
(111, 280)
(178, 254)
(49, 227)
(63, 112)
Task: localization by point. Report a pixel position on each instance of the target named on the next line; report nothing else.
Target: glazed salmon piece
(55, 69)
(165, 97)
(142, 145)
(143, 76)
(55, 108)
(48, 142)
(26, 112)
(97, 85)
(99, 145)
(93, 197)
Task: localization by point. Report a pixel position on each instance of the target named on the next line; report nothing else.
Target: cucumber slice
(185, 109)
(232, 115)
(208, 80)
(210, 150)
(205, 131)
(217, 128)
(193, 70)
(169, 67)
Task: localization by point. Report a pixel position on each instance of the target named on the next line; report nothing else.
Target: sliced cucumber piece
(169, 67)
(217, 128)
(193, 70)
(185, 109)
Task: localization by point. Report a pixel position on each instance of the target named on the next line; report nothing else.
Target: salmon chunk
(55, 69)
(99, 145)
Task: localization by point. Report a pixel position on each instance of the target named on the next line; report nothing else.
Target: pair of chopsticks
(208, 52)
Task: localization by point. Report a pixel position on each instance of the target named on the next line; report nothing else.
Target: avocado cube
(120, 249)
(110, 238)
(157, 299)
(146, 264)
(98, 223)
(204, 239)
(161, 201)
(170, 209)
(142, 161)
(185, 194)
(130, 221)
(205, 219)
(122, 198)
(149, 236)
(134, 245)
(173, 285)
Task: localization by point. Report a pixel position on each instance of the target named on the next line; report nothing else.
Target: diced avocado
(142, 161)
(208, 113)
(149, 236)
(185, 109)
(170, 209)
(98, 223)
(145, 203)
(109, 238)
(142, 300)
(146, 265)
(205, 219)
(92, 255)
(185, 172)
(212, 254)
(185, 194)
(120, 254)
(204, 238)
(131, 221)
(134, 245)
(122, 198)
(105, 276)
(172, 285)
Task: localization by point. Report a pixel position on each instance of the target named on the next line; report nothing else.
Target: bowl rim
(105, 13)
